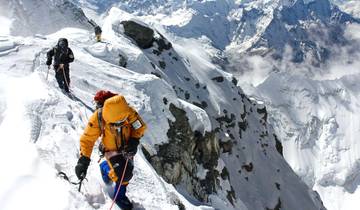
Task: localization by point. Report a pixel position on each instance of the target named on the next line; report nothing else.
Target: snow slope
(313, 110)
(48, 123)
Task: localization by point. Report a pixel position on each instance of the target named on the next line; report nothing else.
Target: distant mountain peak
(307, 27)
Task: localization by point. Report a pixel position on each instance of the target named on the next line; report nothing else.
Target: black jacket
(60, 56)
(97, 30)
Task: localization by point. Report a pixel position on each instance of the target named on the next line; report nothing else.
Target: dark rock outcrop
(142, 35)
(177, 161)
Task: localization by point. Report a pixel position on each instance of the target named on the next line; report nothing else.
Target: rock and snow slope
(43, 126)
(312, 109)
(234, 163)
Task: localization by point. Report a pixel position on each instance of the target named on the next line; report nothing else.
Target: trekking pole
(122, 178)
(67, 84)
(47, 74)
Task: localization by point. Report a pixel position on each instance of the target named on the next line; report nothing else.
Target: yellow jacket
(115, 109)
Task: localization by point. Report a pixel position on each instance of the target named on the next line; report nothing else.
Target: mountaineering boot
(124, 204)
(122, 200)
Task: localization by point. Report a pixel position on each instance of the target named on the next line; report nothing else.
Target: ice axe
(64, 176)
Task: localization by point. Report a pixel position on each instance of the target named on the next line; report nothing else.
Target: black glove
(131, 147)
(81, 167)
(48, 63)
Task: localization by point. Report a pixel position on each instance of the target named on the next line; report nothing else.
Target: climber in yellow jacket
(121, 128)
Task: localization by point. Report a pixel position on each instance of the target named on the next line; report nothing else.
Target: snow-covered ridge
(47, 124)
(240, 158)
(30, 17)
(188, 80)
(259, 27)
(196, 80)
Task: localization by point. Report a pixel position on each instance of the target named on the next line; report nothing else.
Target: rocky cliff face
(232, 160)
(179, 161)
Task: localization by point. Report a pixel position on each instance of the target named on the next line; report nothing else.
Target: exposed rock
(122, 60)
(142, 35)
(225, 174)
(218, 79)
(203, 104)
(278, 145)
(231, 195)
(187, 95)
(277, 207)
(277, 185)
(162, 64)
(163, 44)
(156, 74)
(242, 125)
(156, 52)
(177, 161)
(234, 81)
(264, 112)
(248, 167)
(226, 146)
(165, 100)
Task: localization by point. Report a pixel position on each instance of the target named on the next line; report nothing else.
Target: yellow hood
(115, 109)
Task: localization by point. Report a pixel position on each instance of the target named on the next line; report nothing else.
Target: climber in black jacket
(63, 55)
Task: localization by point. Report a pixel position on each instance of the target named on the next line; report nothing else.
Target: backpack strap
(101, 121)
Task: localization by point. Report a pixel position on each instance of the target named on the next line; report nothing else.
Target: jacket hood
(65, 43)
(115, 109)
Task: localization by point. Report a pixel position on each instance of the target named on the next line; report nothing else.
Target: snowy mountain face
(30, 17)
(213, 143)
(206, 137)
(312, 102)
(250, 27)
(312, 31)
(312, 109)
(352, 6)
(205, 152)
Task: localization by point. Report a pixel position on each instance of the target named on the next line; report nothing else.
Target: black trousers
(118, 164)
(62, 77)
